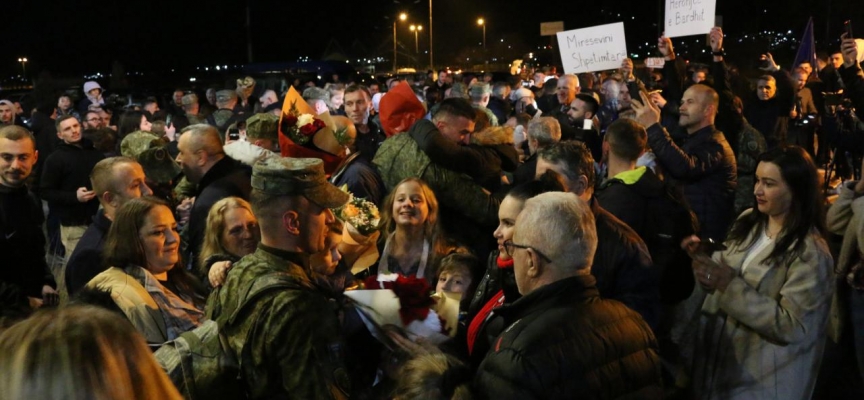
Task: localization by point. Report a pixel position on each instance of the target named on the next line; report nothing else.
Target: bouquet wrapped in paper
(407, 303)
(360, 233)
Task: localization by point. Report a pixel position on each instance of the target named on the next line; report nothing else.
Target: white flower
(304, 119)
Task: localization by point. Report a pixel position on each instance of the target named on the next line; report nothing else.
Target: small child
(454, 274)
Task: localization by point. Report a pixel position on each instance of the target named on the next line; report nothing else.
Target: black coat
(563, 341)
(226, 178)
(623, 267)
(705, 169)
(86, 261)
(22, 244)
(66, 170)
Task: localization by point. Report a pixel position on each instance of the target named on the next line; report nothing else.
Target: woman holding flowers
(414, 242)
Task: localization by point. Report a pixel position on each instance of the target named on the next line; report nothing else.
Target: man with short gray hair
(560, 320)
(542, 132)
(622, 264)
(317, 98)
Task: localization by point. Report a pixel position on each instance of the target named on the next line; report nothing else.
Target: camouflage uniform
(399, 157)
(288, 341)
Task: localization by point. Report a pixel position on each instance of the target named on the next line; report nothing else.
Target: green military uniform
(288, 340)
(399, 157)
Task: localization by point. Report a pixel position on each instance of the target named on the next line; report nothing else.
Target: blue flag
(806, 49)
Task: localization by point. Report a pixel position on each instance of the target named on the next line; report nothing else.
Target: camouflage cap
(189, 99)
(263, 126)
(158, 165)
(225, 95)
(286, 176)
(479, 89)
(137, 142)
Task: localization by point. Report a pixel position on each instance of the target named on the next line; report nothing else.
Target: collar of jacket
(222, 168)
(300, 260)
(101, 221)
(565, 291)
(9, 190)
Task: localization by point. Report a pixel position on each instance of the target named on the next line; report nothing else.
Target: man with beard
(581, 114)
(25, 274)
(704, 164)
(568, 88)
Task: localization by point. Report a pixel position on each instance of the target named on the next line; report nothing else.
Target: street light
(482, 23)
(23, 61)
(402, 17)
(416, 29)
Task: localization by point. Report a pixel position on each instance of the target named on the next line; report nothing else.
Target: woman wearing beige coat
(762, 329)
(846, 217)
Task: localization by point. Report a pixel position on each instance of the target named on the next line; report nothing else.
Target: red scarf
(496, 301)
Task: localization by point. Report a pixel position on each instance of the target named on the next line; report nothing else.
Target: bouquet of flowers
(408, 303)
(300, 127)
(361, 214)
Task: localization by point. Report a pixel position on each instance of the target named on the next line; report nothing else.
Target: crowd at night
(432, 199)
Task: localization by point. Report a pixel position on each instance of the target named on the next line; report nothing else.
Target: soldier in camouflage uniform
(288, 340)
(225, 116)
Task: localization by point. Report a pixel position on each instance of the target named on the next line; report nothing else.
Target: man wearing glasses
(622, 264)
(93, 120)
(560, 323)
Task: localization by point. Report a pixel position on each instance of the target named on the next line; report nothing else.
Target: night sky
(68, 38)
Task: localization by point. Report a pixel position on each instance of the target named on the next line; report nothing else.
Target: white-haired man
(560, 321)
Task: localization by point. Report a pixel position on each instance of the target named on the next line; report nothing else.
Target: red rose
(414, 298)
(308, 129)
(319, 124)
(289, 120)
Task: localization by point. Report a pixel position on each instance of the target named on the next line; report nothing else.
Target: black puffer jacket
(563, 341)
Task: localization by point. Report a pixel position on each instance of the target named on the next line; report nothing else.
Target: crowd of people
(607, 236)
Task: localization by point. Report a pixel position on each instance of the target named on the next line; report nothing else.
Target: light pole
(482, 23)
(402, 17)
(416, 29)
(431, 64)
(23, 61)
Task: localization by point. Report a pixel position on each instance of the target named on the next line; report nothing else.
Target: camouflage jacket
(288, 341)
(399, 158)
(751, 143)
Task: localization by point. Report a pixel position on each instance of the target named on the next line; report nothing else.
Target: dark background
(68, 38)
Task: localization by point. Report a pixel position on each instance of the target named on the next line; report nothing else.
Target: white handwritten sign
(689, 17)
(597, 48)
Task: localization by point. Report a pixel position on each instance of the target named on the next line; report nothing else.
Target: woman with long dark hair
(762, 326)
(146, 275)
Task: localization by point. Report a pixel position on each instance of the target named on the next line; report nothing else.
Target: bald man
(703, 165)
(217, 176)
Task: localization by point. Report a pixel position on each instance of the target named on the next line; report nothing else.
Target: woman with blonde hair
(232, 232)
(414, 242)
(78, 353)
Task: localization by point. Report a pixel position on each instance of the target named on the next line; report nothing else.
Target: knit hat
(400, 109)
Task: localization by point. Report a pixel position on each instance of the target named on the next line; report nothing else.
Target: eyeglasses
(509, 247)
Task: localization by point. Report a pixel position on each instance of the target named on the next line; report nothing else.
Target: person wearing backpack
(286, 336)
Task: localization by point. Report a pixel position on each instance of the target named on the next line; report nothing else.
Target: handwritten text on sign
(596, 48)
(689, 17)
